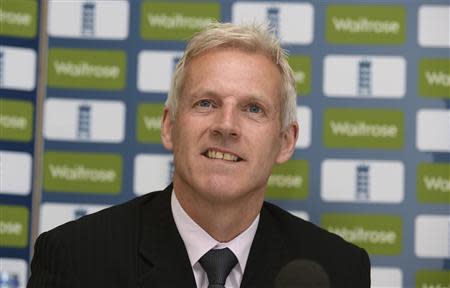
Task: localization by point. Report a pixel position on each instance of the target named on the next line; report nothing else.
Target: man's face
(227, 133)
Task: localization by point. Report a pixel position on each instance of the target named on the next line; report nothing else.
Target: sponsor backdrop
(373, 83)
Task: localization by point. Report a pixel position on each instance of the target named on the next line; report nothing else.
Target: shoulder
(343, 261)
(113, 224)
(296, 230)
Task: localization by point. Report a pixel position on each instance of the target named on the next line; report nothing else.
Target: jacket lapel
(267, 254)
(163, 259)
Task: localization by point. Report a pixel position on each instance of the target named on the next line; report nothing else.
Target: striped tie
(217, 264)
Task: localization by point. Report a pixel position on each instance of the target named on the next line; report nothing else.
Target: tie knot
(217, 264)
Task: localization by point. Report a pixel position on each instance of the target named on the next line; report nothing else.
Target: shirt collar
(198, 241)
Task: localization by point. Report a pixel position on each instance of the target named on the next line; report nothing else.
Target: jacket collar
(267, 254)
(163, 260)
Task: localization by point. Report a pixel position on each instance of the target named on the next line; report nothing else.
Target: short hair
(254, 38)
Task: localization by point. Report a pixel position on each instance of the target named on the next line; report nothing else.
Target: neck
(222, 220)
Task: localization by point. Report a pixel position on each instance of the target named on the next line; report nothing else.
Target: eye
(204, 103)
(254, 108)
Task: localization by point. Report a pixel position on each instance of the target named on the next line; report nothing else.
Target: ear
(166, 130)
(288, 140)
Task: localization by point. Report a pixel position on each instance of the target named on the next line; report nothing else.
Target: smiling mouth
(219, 155)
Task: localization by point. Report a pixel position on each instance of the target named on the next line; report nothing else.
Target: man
(230, 116)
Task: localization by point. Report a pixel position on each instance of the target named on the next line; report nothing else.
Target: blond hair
(253, 38)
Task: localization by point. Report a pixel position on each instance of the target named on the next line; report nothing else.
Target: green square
(366, 24)
(18, 18)
(13, 226)
(16, 120)
(301, 66)
(176, 20)
(289, 180)
(149, 118)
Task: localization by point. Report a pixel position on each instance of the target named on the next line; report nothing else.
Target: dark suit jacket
(137, 244)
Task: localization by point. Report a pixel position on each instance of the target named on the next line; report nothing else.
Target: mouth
(221, 155)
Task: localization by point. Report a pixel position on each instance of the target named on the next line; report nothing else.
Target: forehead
(231, 68)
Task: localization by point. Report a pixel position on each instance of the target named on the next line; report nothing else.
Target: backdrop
(82, 86)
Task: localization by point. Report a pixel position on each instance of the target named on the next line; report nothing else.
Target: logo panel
(86, 69)
(433, 28)
(84, 120)
(96, 173)
(304, 121)
(378, 234)
(289, 180)
(18, 18)
(301, 66)
(12, 74)
(433, 183)
(432, 235)
(279, 17)
(386, 277)
(16, 120)
(13, 226)
(366, 24)
(433, 130)
(363, 128)
(433, 278)
(88, 19)
(152, 172)
(434, 78)
(13, 273)
(55, 214)
(364, 76)
(370, 181)
(155, 69)
(177, 20)
(149, 123)
(15, 173)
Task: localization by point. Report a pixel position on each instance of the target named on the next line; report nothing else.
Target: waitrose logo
(433, 279)
(363, 128)
(289, 180)
(433, 183)
(149, 123)
(83, 68)
(434, 78)
(13, 226)
(82, 172)
(18, 18)
(176, 21)
(359, 24)
(379, 234)
(16, 120)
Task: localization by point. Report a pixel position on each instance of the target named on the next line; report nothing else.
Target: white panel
(433, 130)
(84, 120)
(432, 236)
(434, 26)
(15, 172)
(304, 121)
(294, 21)
(345, 76)
(15, 269)
(108, 19)
(18, 68)
(383, 181)
(55, 214)
(383, 277)
(152, 172)
(155, 69)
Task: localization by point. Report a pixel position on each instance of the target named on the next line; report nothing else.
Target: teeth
(223, 156)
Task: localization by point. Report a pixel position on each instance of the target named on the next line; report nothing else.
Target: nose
(226, 122)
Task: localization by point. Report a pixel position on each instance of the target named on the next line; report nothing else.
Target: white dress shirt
(198, 242)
